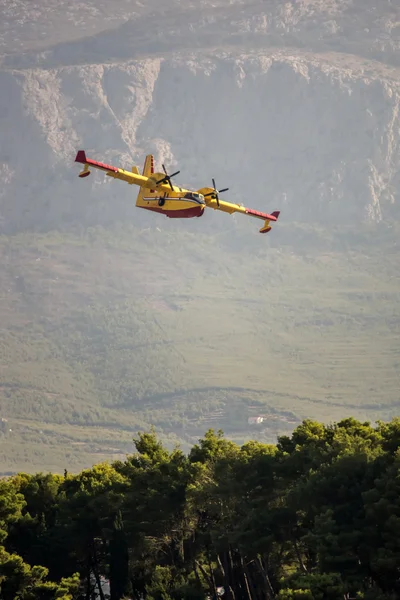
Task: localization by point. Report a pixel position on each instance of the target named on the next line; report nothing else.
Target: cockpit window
(195, 196)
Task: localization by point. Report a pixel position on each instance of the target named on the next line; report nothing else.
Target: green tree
(91, 505)
(316, 516)
(11, 505)
(20, 581)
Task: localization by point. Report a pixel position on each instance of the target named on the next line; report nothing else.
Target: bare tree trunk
(196, 573)
(245, 577)
(221, 566)
(137, 597)
(209, 579)
(235, 584)
(299, 557)
(214, 587)
(268, 587)
(250, 580)
(182, 549)
(230, 595)
(96, 571)
(240, 583)
(98, 582)
(88, 584)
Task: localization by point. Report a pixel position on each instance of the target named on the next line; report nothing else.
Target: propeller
(167, 178)
(215, 193)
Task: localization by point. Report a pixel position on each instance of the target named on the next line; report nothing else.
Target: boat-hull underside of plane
(181, 213)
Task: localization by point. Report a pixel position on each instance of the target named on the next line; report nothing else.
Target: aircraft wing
(232, 208)
(131, 177)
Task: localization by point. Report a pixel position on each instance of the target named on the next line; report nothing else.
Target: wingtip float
(158, 194)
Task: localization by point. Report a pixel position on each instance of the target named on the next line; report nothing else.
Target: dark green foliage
(315, 517)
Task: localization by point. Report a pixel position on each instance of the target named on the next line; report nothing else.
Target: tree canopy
(314, 517)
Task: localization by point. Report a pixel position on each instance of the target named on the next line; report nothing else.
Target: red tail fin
(81, 157)
(276, 214)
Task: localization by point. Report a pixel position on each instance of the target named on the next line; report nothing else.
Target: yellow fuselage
(175, 203)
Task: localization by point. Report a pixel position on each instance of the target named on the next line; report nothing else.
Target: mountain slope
(109, 328)
(92, 32)
(126, 329)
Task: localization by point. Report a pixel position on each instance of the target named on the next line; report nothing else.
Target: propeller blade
(167, 178)
(215, 193)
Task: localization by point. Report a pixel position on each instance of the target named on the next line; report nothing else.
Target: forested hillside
(314, 517)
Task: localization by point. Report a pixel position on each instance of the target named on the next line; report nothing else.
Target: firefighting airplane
(157, 193)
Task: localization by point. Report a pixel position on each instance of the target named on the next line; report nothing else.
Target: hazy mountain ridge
(360, 27)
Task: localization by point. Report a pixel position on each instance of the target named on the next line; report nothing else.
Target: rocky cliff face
(312, 131)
